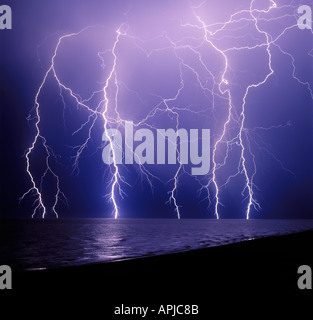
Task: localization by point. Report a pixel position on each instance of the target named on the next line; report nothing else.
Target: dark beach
(259, 275)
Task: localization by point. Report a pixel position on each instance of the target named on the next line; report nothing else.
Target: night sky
(168, 67)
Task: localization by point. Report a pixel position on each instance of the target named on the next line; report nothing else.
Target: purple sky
(239, 68)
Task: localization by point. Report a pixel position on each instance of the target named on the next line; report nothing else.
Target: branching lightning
(232, 134)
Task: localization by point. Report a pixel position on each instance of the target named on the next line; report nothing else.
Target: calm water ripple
(36, 244)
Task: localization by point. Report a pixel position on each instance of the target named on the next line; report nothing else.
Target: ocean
(42, 244)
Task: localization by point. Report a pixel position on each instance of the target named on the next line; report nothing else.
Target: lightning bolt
(239, 139)
(116, 177)
(37, 190)
(233, 133)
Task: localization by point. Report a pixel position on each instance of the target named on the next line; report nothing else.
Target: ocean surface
(41, 244)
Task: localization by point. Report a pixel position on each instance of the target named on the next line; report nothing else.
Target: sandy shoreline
(260, 273)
